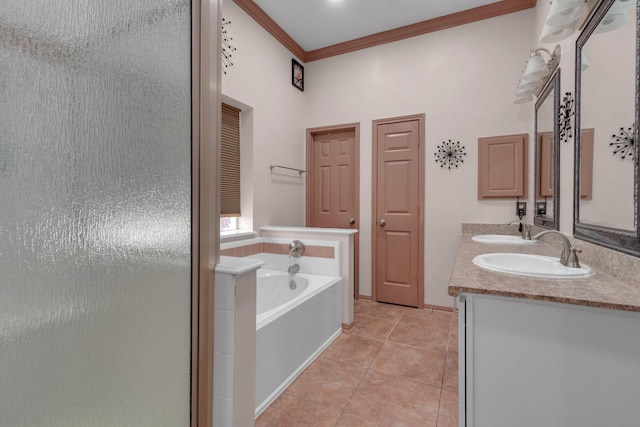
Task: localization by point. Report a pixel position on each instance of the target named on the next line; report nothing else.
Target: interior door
(398, 199)
(332, 182)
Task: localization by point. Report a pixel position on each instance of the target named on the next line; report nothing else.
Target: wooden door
(333, 179)
(398, 198)
(333, 198)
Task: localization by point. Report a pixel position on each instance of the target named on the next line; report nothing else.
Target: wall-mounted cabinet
(502, 166)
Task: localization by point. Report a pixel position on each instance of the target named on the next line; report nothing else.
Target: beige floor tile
(413, 363)
(421, 333)
(452, 344)
(448, 412)
(382, 311)
(454, 321)
(327, 382)
(347, 420)
(450, 380)
(372, 327)
(358, 303)
(395, 401)
(292, 411)
(435, 318)
(353, 350)
(377, 382)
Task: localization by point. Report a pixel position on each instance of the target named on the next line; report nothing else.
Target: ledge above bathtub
(309, 229)
(238, 266)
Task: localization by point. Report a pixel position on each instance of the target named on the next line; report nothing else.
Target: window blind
(230, 162)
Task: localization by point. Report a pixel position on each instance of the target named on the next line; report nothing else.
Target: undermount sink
(530, 265)
(501, 239)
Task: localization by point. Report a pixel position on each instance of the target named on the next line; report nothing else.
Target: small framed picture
(297, 74)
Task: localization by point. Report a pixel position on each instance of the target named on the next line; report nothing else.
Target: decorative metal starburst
(565, 114)
(625, 144)
(227, 49)
(450, 154)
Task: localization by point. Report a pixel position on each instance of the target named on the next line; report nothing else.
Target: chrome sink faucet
(524, 229)
(569, 256)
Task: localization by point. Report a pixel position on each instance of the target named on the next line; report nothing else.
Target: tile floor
(397, 367)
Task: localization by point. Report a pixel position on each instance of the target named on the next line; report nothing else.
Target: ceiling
(314, 24)
(315, 29)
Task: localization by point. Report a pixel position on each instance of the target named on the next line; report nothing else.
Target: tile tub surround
(249, 249)
(234, 344)
(601, 290)
(320, 257)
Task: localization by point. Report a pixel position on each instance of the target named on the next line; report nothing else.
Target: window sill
(232, 236)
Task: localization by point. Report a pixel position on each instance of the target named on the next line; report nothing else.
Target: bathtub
(295, 322)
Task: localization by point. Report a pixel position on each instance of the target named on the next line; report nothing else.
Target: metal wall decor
(564, 117)
(227, 49)
(625, 144)
(450, 154)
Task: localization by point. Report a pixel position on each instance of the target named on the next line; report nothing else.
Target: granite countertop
(601, 290)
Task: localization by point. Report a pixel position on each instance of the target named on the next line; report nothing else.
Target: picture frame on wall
(297, 74)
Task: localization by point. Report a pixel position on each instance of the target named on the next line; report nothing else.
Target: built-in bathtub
(298, 316)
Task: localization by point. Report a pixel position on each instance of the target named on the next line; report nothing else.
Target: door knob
(382, 222)
(352, 220)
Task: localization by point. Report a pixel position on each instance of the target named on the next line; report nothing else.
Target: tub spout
(296, 249)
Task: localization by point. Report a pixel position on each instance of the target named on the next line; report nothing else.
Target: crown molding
(480, 13)
(265, 21)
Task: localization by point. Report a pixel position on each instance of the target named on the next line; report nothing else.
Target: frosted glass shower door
(95, 213)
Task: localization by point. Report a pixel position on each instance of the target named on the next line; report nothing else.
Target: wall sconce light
(536, 73)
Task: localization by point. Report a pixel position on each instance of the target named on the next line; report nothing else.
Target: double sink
(525, 264)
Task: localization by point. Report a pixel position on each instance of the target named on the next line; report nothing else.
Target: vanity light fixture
(564, 17)
(562, 20)
(616, 16)
(536, 73)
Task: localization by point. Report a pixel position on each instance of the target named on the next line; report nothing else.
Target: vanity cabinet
(534, 363)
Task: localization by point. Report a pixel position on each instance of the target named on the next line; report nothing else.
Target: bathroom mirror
(607, 110)
(547, 155)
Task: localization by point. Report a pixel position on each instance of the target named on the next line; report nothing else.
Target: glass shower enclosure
(95, 213)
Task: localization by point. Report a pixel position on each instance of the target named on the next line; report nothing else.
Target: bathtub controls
(293, 269)
(382, 222)
(293, 284)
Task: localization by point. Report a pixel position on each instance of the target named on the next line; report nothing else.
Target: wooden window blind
(230, 162)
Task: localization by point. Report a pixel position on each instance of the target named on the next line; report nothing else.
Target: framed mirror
(547, 155)
(606, 116)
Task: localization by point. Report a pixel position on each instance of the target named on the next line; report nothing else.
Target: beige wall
(464, 80)
(261, 79)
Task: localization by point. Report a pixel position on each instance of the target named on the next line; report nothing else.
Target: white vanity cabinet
(533, 363)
